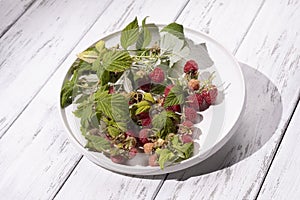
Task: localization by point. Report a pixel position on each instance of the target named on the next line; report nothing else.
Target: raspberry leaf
(68, 90)
(174, 47)
(145, 37)
(142, 106)
(164, 124)
(97, 143)
(183, 150)
(176, 96)
(165, 155)
(116, 61)
(113, 106)
(174, 29)
(88, 56)
(130, 34)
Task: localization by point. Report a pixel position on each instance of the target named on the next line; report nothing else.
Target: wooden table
(39, 39)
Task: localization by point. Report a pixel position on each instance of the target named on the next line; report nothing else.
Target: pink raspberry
(117, 159)
(130, 133)
(191, 114)
(186, 139)
(132, 152)
(157, 75)
(153, 160)
(188, 123)
(143, 135)
(190, 67)
(195, 100)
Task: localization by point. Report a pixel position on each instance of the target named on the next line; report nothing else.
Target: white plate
(219, 121)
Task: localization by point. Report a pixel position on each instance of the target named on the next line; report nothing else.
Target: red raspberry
(143, 135)
(157, 75)
(167, 89)
(210, 95)
(153, 160)
(111, 90)
(186, 139)
(190, 114)
(188, 123)
(146, 122)
(195, 100)
(132, 152)
(146, 87)
(144, 84)
(190, 67)
(174, 108)
(117, 159)
(143, 115)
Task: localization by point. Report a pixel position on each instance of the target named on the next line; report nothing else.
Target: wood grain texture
(282, 181)
(271, 47)
(35, 46)
(36, 157)
(81, 185)
(11, 11)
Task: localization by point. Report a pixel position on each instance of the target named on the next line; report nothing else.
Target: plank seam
(27, 7)
(284, 130)
(249, 27)
(55, 70)
(70, 172)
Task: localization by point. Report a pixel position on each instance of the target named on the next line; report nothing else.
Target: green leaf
(165, 155)
(158, 89)
(176, 96)
(68, 90)
(117, 61)
(100, 46)
(130, 34)
(114, 106)
(174, 47)
(174, 29)
(145, 37)
(84, 110)
(148, 97)
(97, 143)
(88, 56)
(185, 150)
(164, 124)
(142, 106)
(113, 131)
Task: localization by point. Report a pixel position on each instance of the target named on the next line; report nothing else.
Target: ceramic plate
(219, 121)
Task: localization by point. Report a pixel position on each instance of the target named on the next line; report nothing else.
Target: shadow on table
(263, 110)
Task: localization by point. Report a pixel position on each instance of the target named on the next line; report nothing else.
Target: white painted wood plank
(282, 181)
(34, 47)
(89, 181)
(10, 11)
(226, 21)
(271, 48)
(36, 157)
